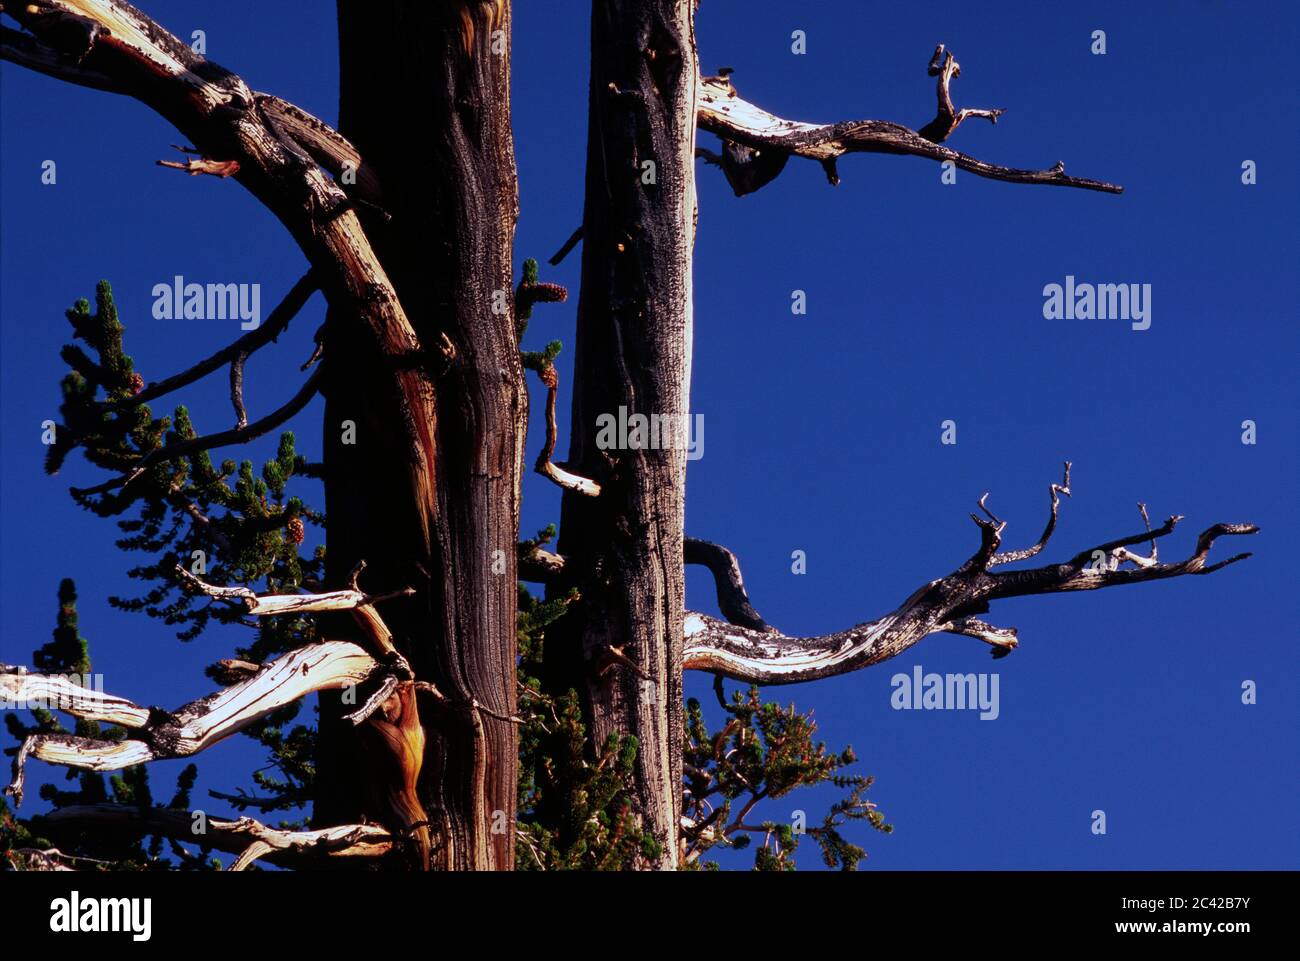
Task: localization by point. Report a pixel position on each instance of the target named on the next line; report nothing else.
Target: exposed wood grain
(944, 605)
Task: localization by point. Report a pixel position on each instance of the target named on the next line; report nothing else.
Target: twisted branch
(545, 466)
(757, 144)
(733, 600)
(156, 734)
(949, 604)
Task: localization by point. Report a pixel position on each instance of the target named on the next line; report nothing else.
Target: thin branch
(569, 244)
(1002, 637)
(756, 144)
(202, 520)
(947, 604)
(945, 67)
(471, 707)
(275, 324)
(236, 435)
(203, 165)
(1055, 490)
(361, 604)
(241, 801)
(237, 390)
(272, 604)
(544, 466)
(375, 701)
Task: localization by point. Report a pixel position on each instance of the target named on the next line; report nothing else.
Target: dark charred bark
(425, 98)
(633, 351)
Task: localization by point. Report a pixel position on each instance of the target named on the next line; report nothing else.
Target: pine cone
(548, 293)
(137, 382)
(296, 530)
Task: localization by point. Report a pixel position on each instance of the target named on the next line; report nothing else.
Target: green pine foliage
(762, 753)
(240, 522)
(530, 292)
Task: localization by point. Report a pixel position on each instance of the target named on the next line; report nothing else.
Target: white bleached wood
(946, 605)
(19, 689)
(758, 142)
(248, 838)
(199, 724)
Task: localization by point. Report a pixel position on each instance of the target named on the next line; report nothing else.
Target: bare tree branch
(237, 390)
(1008, 557)
(947, 604)
(203, 165)
(269, 330)
(248, 838)
(733, 600)
(544, 466)
(159, 735)
(568, 245)
(756, 144)
(352, 599)
(945, 67)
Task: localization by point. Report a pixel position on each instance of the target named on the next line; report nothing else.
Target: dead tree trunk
(425, 97)
(633, 352)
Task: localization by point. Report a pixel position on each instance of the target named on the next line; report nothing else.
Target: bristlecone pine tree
(464, 723)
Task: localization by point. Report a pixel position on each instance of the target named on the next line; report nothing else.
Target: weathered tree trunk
(426, 99)
(633, 351)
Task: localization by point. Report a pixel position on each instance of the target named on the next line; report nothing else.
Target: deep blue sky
(822, 431)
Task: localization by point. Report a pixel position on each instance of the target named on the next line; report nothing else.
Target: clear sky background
(822, 431)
